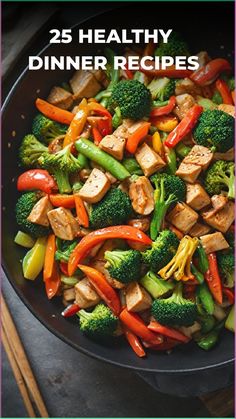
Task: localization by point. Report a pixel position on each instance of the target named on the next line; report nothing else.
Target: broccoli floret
(180, 265)
(24, 206)
(123, 265)
(46, 130)
(64, 249)
(99, 323)
(168, 190)
(220, 177)
(30, 151)
(133, 99)
(114, 209)
(157, 287)
(175, 310)
(226, 267)
(162, 88)
(61, 165)
(175, 46)
(162, 250)
(215, 129)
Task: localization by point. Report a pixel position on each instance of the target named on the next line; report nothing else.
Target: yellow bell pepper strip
(53, 112)
(34, 259)
(135, 138)
(49, 257)
(165, 123)
(77, 124)
(209, 73)
(157, 144)
(24, 240)
(95, 237)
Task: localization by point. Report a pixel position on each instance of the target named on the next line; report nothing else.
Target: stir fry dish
(126, 201)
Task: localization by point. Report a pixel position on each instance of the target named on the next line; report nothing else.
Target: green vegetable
(229, 80)
(24, 240)
(206, 298)
(34, 259)
(159, 103)
(69, 280)
(207, 324)
(114, 209)
(215, 129)
(141, 77)
(64, 249)
(99, 323)
(207, 104)
(226, 267)
(46, 130)
(208, 341)
(230, 323)
(156, 286)
(174, 47)
(220, 177)
(117, 118)
(198, 275)
(24, 206)
(94, 153)
(133, 99)
(217, 98)
(175, 310)
(61, 165)
(83, 161)
(182, 150)
(162, 250)
(131, 164)
(113, 75)
(169, 189)
(30, 151)
(123, 265)
(203, 263)
(162, 88)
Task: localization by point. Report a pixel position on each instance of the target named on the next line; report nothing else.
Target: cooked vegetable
(34, 259)
(213, 278)
(162, 88)
(215, 129)
(175, 310)
(44, 129)
(132, 166)
(220, 177)
(156, 286)
(77, 124)
(113, 74)
(123, 265)
(53, 112)
(64, 249)
(24, 240)
(36, 179)
(138, 327)
(208, 341)
(24, 206)
(174, 47)
(168, 332)
(165, 109)
(226, 267)
(230, 324)
(207, 74)
(205, 298)
(224, 90)
(134, 342)
(99, 323)
(162, 250)
(30, 151)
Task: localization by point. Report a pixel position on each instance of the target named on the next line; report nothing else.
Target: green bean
(83, 161)
(198, 275)
(203, 263)
(207, 324)
(206, 298)
(207, 342)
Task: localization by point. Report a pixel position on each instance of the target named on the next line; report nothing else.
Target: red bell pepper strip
(134, 342)
(135, 138)
(65, 201)
(213, 278)
(184, 127)
(170, 72)
(229, 293)
(70, 310)
(97, 136)
(164, 110)
(166, 345)
(52, 284)
(137, 326)
(99, 109)
(95, 237)
(102, 123)
(209, 73)
(225, 93)
(128, 73)
(168, 332)
(81, 212)
(64, 268)
(103, 288)
(49, 257)
(53, 112)
(36, 179)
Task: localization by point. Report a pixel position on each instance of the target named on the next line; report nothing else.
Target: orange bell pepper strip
(103, 288)
(65, 201)
(53, 112)
(81, 212)
(99, 109)
(170, 72)
(135, 138)
(168, 332)
(53, 283)
(97, 136)
(137, 326)
(95, 237)
(225, 93)
(49, 257)
(212, 278)
(77, 124)
(209, 73)
(134, 342)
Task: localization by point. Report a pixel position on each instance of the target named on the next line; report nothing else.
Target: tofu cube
(149, 161)
(222, 219)
(85, 294)
(214, 242)
(64, 225)
(199, 229)
(84, 84)
(182, 217)
(188, 172)
(60, 97)
(196, 196)
(69, 294)
(113, 145)
(137, 298)
(199, 155)
(39, 213)
(95, 187)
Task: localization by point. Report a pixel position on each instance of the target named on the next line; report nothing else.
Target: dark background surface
(72, 384)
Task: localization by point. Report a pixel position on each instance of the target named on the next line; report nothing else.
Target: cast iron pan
(204, 30)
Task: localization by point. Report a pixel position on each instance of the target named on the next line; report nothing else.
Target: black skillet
(204, 29)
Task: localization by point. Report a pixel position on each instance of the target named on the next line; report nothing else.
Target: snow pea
(206, 298)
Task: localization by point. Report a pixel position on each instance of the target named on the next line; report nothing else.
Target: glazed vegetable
(24, 206)
(34, 259)
(135, 138)
(123, 265)
(164, 110)
(24, 240)
(220, 177)
(64, 249)
(91, 151)
(213, 278)
(175, 310)
(230, 324)
(224, 91)
(156, 286)
(99, 323)
(81, 212)
(134, 342)
(162, 88)
(113, 75)
(53, 112)
(203, 263)
(209, 73)
(49, 257)
(215, 129)
(174, 47)
(132, 166)
(77, 124)
(226, 267)
(205, 298)
(138, 327)
(70, 310)
(162, 250)
(36, 179)
(197, 274)
(46, 130)
(65, 201)
(30, 151)
(167, 331)
(117, 118)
